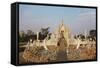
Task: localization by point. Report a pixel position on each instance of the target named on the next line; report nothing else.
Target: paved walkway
(61, 53)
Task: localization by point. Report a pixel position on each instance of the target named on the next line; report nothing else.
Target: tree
(81, 36)
(44, 32)
(92, 34)
(29, 32)
(30, 35)
(22, 36)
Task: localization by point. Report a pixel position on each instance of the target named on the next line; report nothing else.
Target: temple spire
(62, 22)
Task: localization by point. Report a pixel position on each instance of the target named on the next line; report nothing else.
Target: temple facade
(61, 31)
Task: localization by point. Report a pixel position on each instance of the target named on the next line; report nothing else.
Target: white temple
(61, 30)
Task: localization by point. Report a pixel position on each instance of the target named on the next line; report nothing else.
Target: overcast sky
(34, 17)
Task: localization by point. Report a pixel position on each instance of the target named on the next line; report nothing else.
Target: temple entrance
(62, 46)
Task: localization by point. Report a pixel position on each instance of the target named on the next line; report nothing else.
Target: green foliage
(25, 37)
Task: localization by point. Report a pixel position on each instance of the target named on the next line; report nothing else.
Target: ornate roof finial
(62, 23)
